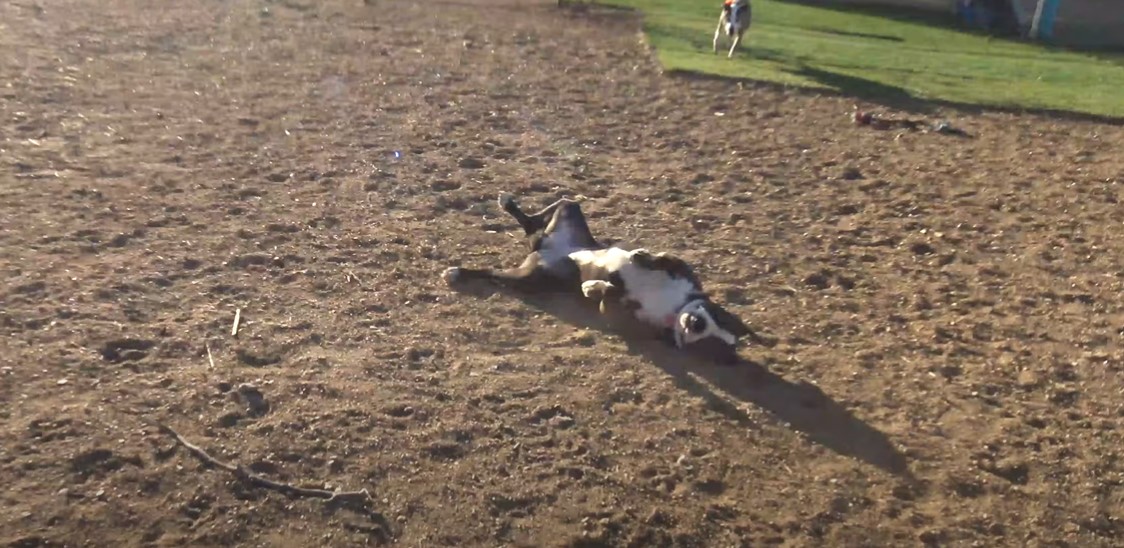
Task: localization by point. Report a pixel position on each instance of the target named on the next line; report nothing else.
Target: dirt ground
(949, 359)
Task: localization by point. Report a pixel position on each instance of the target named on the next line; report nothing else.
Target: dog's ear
(733, 324)
(727, 321)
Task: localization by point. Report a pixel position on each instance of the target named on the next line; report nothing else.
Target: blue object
(1046, 22)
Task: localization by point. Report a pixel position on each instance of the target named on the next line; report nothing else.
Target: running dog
(655, 289)
(734, 21)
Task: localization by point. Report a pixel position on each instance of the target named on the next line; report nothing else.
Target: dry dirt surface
(946, 310)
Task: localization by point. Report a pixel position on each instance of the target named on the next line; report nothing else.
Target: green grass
(882, 54)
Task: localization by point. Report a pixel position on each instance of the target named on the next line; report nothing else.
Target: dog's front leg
(595, 289)
(606, 293)
(718, 31)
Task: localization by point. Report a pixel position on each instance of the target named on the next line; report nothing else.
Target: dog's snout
(696, 324)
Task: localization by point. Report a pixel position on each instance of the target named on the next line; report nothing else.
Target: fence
(1092, 23)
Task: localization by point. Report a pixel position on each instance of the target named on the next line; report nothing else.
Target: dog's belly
(657, 294)
(555, 250)
(603, 260)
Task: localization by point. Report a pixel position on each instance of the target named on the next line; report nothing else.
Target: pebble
(1027, 379)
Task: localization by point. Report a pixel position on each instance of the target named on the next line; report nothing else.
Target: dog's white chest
(657, 293)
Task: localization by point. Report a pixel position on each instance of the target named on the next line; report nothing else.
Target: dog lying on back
(734, 21)
(656, 290)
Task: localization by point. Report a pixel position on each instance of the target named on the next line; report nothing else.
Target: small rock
(932, 536)
(443, 186)
(119, 240)
(950, 371)
(1012, 470)
(414, 354)
(658, 517)
(921, 248)
(257, 358)
(254, 399)
(229, 420)
(562, 421)
(1027, 379)
(585, 339)
(470, 163)
(851, 174)
(818, 280)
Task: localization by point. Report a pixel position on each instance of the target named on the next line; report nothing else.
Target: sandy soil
(949, 360)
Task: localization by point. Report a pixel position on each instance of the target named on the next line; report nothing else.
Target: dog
(734, 21)
(655, 290)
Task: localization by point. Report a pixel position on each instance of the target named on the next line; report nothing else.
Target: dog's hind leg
(535, 222)
(737, 40)
(529, 224)
(531, 276)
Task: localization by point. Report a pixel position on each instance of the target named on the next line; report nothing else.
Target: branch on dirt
(240, 472)
(237, 318)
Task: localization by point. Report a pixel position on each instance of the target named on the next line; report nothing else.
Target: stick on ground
(237, 317)
(210, 359)
(247, 476)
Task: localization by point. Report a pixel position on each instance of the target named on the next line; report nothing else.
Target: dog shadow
(802, 406)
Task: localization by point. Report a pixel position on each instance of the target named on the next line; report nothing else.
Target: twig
(237, 317)
(247, 476)
(352, 277)
(210, 359)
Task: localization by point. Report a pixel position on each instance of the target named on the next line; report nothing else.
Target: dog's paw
(594, 288)
(451, 275)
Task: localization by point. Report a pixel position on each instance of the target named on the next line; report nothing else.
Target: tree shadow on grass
(894, 97)
(868, 35)
(864, 89)
(908, 14)
(800, 405)
(833, 83)
(947, 20)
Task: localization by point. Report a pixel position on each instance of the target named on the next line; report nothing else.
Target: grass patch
(885, 54)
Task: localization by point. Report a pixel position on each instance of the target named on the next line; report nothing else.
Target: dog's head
(701, 326)
(705, 328)
(735, 12)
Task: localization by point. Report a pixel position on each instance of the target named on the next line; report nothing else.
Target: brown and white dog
(734, 21)
(656, 290)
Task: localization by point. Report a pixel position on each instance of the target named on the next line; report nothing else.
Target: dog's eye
(696, 324)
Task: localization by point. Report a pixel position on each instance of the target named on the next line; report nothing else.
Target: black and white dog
(657, 290)
(734, 21)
